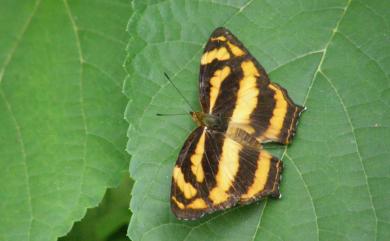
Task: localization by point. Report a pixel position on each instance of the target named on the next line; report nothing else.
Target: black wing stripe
(246, 171)
(263, 113)
(211, 158)
(188, 150)
(227, 95)
(273, 180)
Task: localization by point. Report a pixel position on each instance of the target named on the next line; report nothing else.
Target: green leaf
(109, 220)
(62, 133)
(332, 56)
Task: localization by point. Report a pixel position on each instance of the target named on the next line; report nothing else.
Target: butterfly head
(214, 122)
(197, 117)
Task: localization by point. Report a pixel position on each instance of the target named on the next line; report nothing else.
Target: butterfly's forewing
(214, 172)
(235, 85)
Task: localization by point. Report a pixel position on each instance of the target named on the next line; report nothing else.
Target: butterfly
(222, 162)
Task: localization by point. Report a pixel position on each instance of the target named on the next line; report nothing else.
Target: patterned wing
(214, 172)
(233, 84)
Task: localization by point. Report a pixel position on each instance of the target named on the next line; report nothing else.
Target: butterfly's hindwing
(233, 173)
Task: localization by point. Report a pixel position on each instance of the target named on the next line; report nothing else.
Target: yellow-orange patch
(219, 38)
(188, 190)
(215, 82)
(197, 204)
(247, 96)
(261, 176)
(235, 49)
(278, 115)
(196, 159)
(227, 170)
(219, 54)
(179, 204)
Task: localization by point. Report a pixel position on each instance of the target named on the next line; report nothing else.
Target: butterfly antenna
(170, 114)
(178, 91)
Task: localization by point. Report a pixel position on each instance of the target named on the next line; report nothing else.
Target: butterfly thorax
(214, 122)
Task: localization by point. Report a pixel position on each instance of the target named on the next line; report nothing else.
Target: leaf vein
(18, 40)
(101, 34)
(24, 160)
(260, 218)
(334, 30)
(357, 149)
(364, 53)
(308, 191)
(81, 98)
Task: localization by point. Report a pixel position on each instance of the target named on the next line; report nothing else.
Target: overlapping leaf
(109, 220)
(62, 131)
(332, 56)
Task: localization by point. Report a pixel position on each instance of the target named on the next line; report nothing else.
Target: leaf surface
(109, 220)
(62, 133)
(332, 56)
